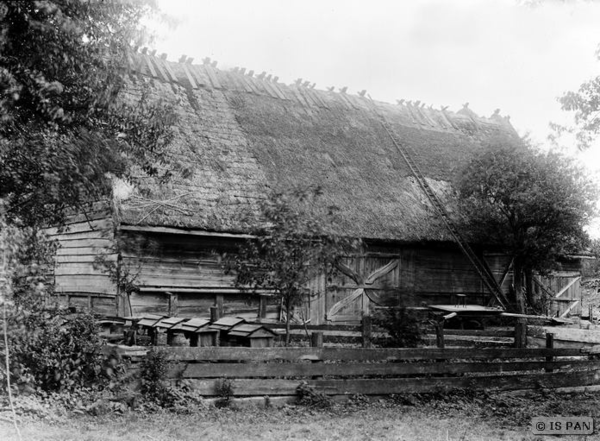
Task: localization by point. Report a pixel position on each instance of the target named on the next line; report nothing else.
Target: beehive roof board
(150, 320)
(169, 322)
(226, 323)
(251, 331)
(194, 325)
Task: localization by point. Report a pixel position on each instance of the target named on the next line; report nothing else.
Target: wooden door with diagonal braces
(360, 283)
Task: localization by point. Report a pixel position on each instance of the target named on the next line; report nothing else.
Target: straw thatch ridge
(238, 136)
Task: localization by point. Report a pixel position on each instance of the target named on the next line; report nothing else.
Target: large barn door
(361, 288)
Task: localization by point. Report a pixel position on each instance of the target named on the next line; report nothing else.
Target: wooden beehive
(199, 332)
(254, 336)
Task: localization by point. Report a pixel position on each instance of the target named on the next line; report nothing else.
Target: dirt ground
(462, 416)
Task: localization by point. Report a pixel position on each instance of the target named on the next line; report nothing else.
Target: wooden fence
(345, 372)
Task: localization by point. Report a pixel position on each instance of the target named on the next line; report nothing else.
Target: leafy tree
(294, 244)
(585, 103)
(64, 129)
(534, 205)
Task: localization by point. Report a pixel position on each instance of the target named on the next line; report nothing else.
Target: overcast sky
(501, 54)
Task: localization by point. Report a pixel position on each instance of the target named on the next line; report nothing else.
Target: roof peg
(153, 52)
(497, 112)
(298, 82)
(443, 108)
(331, 89)
(189, 60)
(144, 50)
(344, 89)
(235, 69)
(275, 79)
(206, 60)
(362, 92)
(465, 105)
(243, 70)
(306, 84)
(250, 73)
(269, 77)
(423, 105)
(163, 56)
(214, 63)
(135, 49)
(409, 103)
(400, 102)
(182, 59)
(262, 75)
(313, 85)
(417, 103)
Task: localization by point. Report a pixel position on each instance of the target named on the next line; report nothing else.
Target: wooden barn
(156, 248)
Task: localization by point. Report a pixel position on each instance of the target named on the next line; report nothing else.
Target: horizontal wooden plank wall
(190, 268)
(341, 371)
(78, 281)
(184, 275)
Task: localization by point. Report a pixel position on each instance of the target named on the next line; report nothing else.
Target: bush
(402, 325)
(57, 351)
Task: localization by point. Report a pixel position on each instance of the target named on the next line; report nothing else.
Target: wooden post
(262, 307)
(219, 304)
(173, 304)
(215, 313)
(194, 340)
(520, 334)
(153, 334)
(549, 345)
(170, 338)
(316, 339)
(591, 313)
(439, 333)
(367, 330)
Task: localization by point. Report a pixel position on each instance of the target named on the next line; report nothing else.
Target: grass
(458, 416)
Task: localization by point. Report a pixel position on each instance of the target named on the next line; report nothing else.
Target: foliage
(65, 127)
(534, 205)
(224, 390)
(50, 348)
(153, 375)
(59, 351)
(585, 103)
(402, 326)
(293, 244)
(308, 396)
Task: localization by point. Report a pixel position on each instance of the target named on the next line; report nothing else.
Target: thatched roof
(238, 136)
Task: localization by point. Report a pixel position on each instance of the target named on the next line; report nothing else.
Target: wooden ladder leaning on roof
(482, 270)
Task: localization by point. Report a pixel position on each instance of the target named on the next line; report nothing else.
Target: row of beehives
(196, 332)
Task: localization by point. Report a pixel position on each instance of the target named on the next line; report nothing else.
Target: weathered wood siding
(184, 275)
(423, 275)
(78, 281)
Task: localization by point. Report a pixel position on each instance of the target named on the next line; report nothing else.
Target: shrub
(224, 390)
(57, 351)
(402, 326)
(308, 396)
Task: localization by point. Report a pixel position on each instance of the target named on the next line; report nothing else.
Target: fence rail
(345, 371)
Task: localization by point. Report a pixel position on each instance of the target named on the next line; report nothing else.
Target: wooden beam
(265, 370)
(171, 230)
(564, 314)
(541, 285)
(565, 289)
(384, 386)
(296, 354)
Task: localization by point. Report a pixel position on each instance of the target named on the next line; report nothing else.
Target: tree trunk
(532, 299)
(287, 321)
(518, 284)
